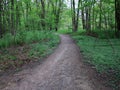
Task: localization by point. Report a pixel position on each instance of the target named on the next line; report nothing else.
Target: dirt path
(63, 70)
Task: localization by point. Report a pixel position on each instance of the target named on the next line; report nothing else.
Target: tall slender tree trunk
(43, 14)
(1, 19)
(75, 15)
(17, 16)
(88, 19)
(105, 20)
(83, 18)
(78, 11)
(117, 17)
(58, 14)
(27, 10)
(100, 16)
(12, 18)
(93, 14)
(87, 16)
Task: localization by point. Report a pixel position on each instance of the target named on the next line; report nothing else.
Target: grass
(25, 37)
(102, 51)
(103, 54)
(103, 34)
(25, 47)
(44, 48)
(64, 31)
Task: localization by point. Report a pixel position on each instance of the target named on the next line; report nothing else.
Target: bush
(38, 45)
(24, 37)
(104, 34)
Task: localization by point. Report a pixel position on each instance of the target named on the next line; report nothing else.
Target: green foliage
(38, 50)
(24, 37)
(100, 50)
(104, 54)
(41, 49)
(79, 32)
(64, 31)
(37, 45)
(104, 34)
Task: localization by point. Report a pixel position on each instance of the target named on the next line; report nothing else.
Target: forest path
(63, 70)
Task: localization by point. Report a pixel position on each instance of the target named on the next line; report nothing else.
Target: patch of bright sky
(68, 2)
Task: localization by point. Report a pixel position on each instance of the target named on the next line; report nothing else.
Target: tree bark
(93, 14)
(88, 19)
(58, 14)
(83, 16)
(100, 16)
(43, 14)
(75, 15)
(78, 11)
(1, 19)
(117, 17)
(12, 18)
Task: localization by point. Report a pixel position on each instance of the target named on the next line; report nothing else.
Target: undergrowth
(25, 47)
(104, 54)
(104, 34)
(25, 37)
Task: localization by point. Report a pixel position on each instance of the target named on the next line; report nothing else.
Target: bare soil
(63, 70)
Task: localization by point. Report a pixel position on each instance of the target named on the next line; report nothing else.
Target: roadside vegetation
(101, 50)
(25, 47)
(103, 53)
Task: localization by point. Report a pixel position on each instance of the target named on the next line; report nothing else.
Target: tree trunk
(1, 19)
(58, 14)
(78, 11)
(93, 18)
(75, 16)
(12, 18)
(117, 17)
(100, 17)
(83, 18)
(105, 20)
(88, 20)
(43, 14)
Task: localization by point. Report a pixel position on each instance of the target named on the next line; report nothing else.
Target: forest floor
(63, 70)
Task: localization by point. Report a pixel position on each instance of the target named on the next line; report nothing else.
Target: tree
(117, 16)
(43, 13)
(86, 15)
(75, 16)
(100, 16)
(57, 7)
(26, 15)
(12, 18)
(83, 15)
(1, 19)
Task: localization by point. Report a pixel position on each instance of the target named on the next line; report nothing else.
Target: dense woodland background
(27, 30)
(19, 15)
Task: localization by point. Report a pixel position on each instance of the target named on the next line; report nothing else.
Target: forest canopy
(18, 15)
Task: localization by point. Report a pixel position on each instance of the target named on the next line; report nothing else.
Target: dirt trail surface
(63, 70)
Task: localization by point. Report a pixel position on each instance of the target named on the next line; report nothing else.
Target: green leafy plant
(104, 57)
